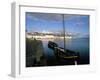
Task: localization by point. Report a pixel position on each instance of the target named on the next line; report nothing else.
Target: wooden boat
(63, 54)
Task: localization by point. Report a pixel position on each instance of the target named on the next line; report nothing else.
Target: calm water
(80, 45)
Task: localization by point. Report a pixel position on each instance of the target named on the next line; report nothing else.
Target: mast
(63, 21)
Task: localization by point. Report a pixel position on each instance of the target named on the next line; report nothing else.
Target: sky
(51, 22)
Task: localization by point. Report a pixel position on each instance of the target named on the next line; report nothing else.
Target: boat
(63, 54)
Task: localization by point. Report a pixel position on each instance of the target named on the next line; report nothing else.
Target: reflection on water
(80, 45)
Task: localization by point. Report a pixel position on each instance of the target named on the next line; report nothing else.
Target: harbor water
(80, 45)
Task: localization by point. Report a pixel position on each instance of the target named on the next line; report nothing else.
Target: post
(75, 62)
(64, 31)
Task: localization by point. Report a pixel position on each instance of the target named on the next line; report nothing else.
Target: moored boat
(63, 54)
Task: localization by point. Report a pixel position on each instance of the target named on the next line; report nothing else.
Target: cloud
(48, 16)
(54, 17)
(45, 16)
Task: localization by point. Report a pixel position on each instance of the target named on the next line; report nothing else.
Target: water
(80, 45)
